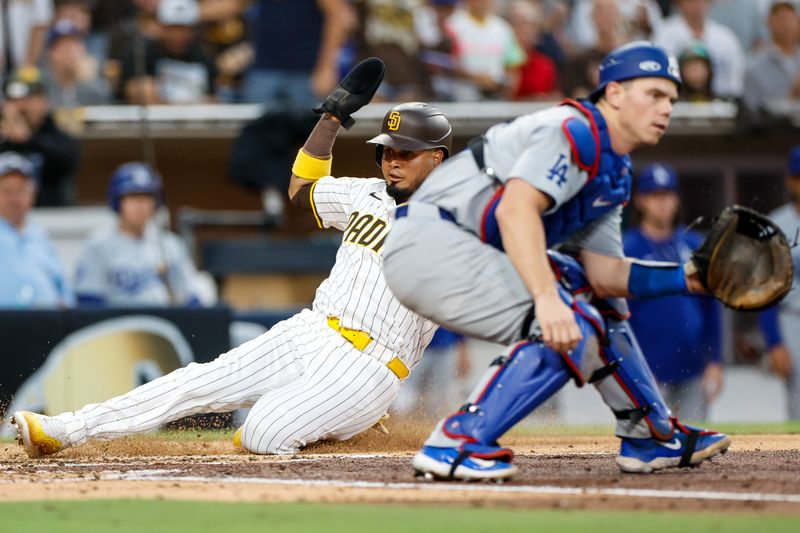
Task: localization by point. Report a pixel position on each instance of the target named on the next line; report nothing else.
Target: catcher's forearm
(650, 279)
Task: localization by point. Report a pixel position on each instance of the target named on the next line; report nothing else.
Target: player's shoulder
(546, 123)
(363, 185)
(103, 236)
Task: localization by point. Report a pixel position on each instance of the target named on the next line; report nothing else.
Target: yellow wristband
(309, 167)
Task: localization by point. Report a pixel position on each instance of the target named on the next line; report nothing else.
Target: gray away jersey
(124, 271)
(533, 148)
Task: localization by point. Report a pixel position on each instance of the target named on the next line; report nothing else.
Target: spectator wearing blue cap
(679, 335)
(71, 75)
(133, 262)
(781, 323)
(31, 275)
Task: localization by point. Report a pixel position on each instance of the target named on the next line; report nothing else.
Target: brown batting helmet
(414, 126)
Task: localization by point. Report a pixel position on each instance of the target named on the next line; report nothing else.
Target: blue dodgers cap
(63, 28)
(11, 162)
(794, 161)
(657, 178)
(639, 59)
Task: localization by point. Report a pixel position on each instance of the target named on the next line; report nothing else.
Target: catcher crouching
(469, 251)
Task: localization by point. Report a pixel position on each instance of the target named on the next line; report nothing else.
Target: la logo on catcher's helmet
(414, 126)
(639, 59)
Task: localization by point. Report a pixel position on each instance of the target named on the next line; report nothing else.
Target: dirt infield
(760, 473)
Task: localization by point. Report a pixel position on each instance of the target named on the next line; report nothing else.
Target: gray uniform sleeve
(546, 163)
(603, 236)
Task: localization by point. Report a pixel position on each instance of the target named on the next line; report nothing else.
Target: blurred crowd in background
(89, 52)
(59, 56)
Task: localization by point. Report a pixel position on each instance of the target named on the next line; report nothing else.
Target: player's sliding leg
(464, 445)
(235, 379)
(341, 394)
(651, 438)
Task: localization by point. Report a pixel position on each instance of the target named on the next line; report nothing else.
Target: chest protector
(608, 185)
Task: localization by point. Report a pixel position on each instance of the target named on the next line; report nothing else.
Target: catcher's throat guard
(745, 260)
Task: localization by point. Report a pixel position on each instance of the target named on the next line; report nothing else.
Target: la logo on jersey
(558, 172)
(366, 230)
(394, 121)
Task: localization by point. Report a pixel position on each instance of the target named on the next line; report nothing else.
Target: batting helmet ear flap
(378, 155)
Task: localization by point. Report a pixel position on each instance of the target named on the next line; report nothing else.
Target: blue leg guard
(628, 387)
(518, 383)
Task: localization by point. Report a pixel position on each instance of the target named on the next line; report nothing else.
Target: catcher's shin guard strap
(654, 280)
(633, 415)
(688, 451)
(631, 390)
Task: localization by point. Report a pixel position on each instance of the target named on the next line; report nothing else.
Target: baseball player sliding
(329, 372)
(469, 251)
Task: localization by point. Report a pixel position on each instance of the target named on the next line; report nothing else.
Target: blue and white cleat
(455, 463)
(689, 447)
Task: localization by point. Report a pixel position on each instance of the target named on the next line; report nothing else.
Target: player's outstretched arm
(626, 277)
(314, 160)
(607, 275)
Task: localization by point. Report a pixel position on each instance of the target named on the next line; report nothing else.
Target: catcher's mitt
(745, 261)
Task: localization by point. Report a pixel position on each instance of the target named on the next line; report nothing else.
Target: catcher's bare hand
(780, 361)
(557, 321)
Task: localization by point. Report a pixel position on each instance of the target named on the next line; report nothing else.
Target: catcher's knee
(264, 437)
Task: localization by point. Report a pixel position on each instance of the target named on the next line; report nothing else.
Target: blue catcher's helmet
(639, 59)
(133, 178)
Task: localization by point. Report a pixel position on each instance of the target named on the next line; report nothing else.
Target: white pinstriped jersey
(303, 380)
(355, 291)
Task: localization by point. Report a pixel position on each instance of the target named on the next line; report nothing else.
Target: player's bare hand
(780, 361)
(557, 321)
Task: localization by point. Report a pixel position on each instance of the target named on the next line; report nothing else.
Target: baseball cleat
(237, 438)
(689, 446)
(39, 434)
(438, 463)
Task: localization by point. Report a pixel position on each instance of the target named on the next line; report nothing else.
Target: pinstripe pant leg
(235, 379)
(343, 393)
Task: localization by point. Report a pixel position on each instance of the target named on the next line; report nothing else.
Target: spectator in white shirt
(691, 25)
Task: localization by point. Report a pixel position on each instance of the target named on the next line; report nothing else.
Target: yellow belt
(361, 339)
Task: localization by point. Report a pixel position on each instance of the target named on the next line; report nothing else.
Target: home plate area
(759, 473)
